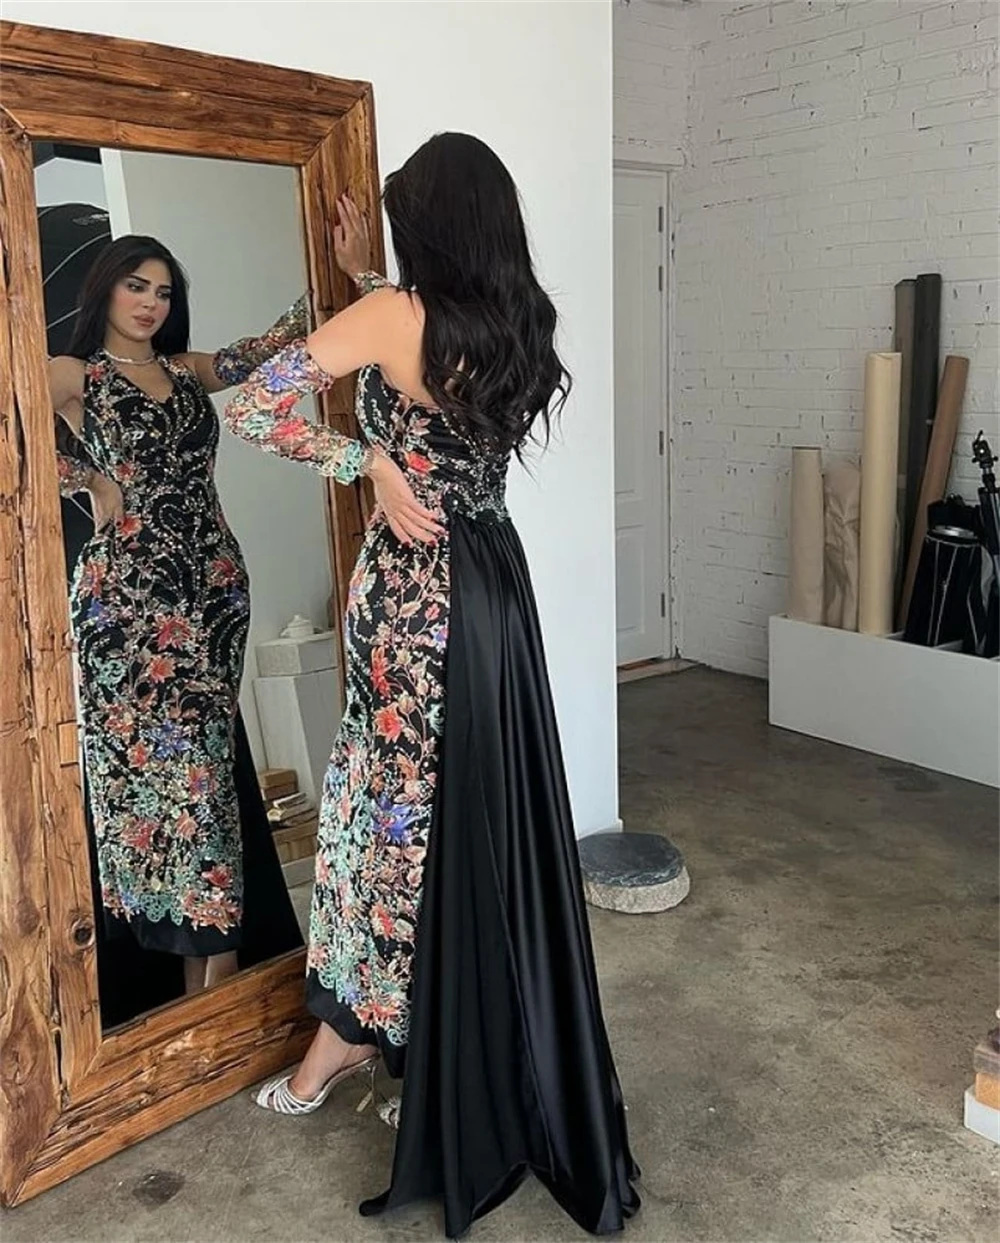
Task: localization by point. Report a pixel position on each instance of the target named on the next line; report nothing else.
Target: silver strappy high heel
(277, 1096)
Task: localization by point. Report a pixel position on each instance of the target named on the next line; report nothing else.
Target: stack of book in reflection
(294, 818)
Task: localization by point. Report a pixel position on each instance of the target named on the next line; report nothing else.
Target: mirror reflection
(206, 672)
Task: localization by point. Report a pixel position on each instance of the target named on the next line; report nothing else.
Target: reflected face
(140, 302)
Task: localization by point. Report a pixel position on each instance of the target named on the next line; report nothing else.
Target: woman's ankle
(327, 1056)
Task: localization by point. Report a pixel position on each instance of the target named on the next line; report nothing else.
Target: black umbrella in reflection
(72, 235)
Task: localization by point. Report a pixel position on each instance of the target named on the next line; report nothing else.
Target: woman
(448, 928)
(160, 608)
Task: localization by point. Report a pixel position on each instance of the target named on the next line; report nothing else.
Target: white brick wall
(651, 69)
(835, 147)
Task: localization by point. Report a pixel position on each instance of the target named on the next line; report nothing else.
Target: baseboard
(617, 827)
(642, 669)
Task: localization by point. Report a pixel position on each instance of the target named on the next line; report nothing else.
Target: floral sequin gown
(160, 609)
(448, 923)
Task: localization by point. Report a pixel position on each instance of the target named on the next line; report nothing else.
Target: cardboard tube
(880, 446)
(935, 480)
(805, 551)
(842, 510)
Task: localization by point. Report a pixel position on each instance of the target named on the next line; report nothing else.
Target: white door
(640, 424)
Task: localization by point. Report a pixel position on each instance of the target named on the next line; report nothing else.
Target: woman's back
(448, 471)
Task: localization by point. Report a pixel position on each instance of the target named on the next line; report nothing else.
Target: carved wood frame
(69, 1094)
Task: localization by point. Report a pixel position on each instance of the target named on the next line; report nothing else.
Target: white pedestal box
(929, 706)
(299, 706)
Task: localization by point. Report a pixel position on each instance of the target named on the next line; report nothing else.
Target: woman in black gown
(448, 932)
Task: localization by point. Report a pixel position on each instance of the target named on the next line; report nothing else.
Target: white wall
(115, 191)
(652, 64)
(69, 181)
(534, 80)
(835, 149)
(245, 268)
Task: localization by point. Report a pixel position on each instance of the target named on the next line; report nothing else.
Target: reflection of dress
(160, 610)
(132, 979)
(448, 922)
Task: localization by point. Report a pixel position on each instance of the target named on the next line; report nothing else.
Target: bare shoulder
(66, 380)
(382, 328)
(399, 328)
(400, 350)
(394, 307)
(67, 371)
(186, 362)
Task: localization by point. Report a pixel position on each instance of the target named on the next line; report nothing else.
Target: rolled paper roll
(805, 553)
(935, 480)
(842, 512)
(880, 445)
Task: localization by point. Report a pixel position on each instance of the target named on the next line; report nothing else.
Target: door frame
(660, 173)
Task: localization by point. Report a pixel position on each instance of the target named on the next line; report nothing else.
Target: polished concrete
(794, 1039)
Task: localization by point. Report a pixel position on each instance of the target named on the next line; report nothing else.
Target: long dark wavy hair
(114, 263)
(489, 355)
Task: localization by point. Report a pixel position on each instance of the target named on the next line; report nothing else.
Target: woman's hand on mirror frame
(107, 503)
(351, 244)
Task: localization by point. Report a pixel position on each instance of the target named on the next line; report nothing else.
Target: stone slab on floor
(636, 873)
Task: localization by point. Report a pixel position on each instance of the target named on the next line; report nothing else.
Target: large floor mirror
(170, 686)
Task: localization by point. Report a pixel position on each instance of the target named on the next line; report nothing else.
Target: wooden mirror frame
(71, 1095)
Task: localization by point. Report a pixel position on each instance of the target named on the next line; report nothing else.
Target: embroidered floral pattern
(74, 474)
(235, 363)
(368, 282)
(379, 791)
(262, 411)
(161, 610)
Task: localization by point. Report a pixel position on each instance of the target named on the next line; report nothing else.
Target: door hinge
(663, 604)
(660, 218)
(662, 443)
(660, 277)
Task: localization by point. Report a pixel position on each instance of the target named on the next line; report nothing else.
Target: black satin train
(508, 1069)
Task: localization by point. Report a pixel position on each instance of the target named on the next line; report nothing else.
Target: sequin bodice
(443, 467)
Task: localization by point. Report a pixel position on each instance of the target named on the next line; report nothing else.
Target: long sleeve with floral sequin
(76, 471)
(263, 413)
(235, 363)
(75, 475)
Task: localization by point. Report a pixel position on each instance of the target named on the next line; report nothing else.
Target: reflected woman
(160, 608)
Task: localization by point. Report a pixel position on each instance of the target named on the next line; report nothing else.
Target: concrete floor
(794, 1040)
